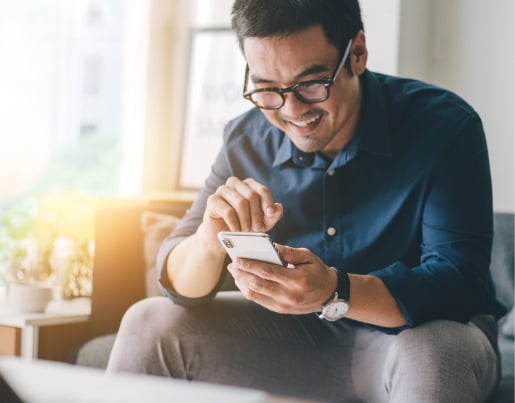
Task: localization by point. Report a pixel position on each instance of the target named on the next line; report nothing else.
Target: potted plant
(51, 241)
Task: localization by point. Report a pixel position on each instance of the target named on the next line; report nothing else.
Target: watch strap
(343, 285)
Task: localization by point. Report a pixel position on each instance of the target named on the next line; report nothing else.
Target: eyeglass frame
(327, 83)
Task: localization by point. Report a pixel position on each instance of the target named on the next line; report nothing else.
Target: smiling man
(325, 125)
(377, 192)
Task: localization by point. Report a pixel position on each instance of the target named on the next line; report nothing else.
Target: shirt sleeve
(187, 226)
(452, 279)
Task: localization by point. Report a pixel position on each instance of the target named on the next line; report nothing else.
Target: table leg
(29, 342)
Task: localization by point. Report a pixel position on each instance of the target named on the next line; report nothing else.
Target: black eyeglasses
(310, 92)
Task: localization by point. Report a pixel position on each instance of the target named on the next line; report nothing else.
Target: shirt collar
(371, 133)
(289, 152)
(285, 151)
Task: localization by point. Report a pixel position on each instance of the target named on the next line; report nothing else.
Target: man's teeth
(304, 123)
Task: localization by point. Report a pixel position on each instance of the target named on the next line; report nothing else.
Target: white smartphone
(251, 245)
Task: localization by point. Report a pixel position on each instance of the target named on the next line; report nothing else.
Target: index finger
(265, 196)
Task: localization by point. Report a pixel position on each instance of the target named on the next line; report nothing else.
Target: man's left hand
(299, 289)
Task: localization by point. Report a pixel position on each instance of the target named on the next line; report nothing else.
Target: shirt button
(331, 172)
(331, 231)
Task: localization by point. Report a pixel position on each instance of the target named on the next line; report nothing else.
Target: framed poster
(214, 96)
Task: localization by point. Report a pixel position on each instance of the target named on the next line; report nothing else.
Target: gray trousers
(237, 342)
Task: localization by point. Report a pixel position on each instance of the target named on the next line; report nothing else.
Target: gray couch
(122, 254)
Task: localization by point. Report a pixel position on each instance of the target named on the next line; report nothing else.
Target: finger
(245, 203)
(254, 220)
(270, 302)
(273, 215)
(269, 285)
(218, 208)
(253, 287)
(267, 272)
(272, 211)
(295, 256)
(266, 293)
(266, 198)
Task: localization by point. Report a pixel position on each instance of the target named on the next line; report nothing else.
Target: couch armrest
(119, 267)
(502, 264)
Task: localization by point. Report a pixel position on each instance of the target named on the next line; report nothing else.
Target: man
(377, 191)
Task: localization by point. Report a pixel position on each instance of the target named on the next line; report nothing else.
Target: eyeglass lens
(308, 92)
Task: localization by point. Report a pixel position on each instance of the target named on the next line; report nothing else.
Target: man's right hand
(194, 266)
(239, 205)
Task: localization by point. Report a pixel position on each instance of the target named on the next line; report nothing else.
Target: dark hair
(340, 19)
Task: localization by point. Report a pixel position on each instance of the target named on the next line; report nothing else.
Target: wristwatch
(338, 306)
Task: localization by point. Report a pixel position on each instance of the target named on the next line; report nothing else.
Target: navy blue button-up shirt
(408, 199)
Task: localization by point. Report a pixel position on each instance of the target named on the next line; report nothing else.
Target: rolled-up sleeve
(452, 280)
(188, 226)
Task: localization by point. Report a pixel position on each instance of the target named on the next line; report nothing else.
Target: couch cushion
(508, 325)
(95, 353)
(155, 227)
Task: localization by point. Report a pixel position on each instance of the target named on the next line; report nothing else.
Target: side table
(57, 313)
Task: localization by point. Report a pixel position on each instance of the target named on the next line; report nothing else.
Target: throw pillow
(155, 227)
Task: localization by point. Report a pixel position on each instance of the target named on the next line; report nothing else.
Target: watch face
(335, 310)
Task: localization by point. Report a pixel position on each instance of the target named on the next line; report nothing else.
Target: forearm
(194, 267)
(372, 303)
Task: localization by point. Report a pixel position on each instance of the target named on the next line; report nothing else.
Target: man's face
(307, 55)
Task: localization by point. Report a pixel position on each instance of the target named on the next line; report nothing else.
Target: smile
(305, 123)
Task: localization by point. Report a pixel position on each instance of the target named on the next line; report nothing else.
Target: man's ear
(359, 53)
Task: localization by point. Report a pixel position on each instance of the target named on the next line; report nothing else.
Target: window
(71, 71)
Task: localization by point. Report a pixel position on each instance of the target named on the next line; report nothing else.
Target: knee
(442, 357)
(143, 332)
(436, 346)
(146, 316)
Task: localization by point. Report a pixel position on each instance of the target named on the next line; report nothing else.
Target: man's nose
(293, 107)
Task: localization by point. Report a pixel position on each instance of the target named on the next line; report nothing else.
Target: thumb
(295, 256)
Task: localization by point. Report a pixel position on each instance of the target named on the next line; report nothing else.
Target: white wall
(382, 21)
(468, 47)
